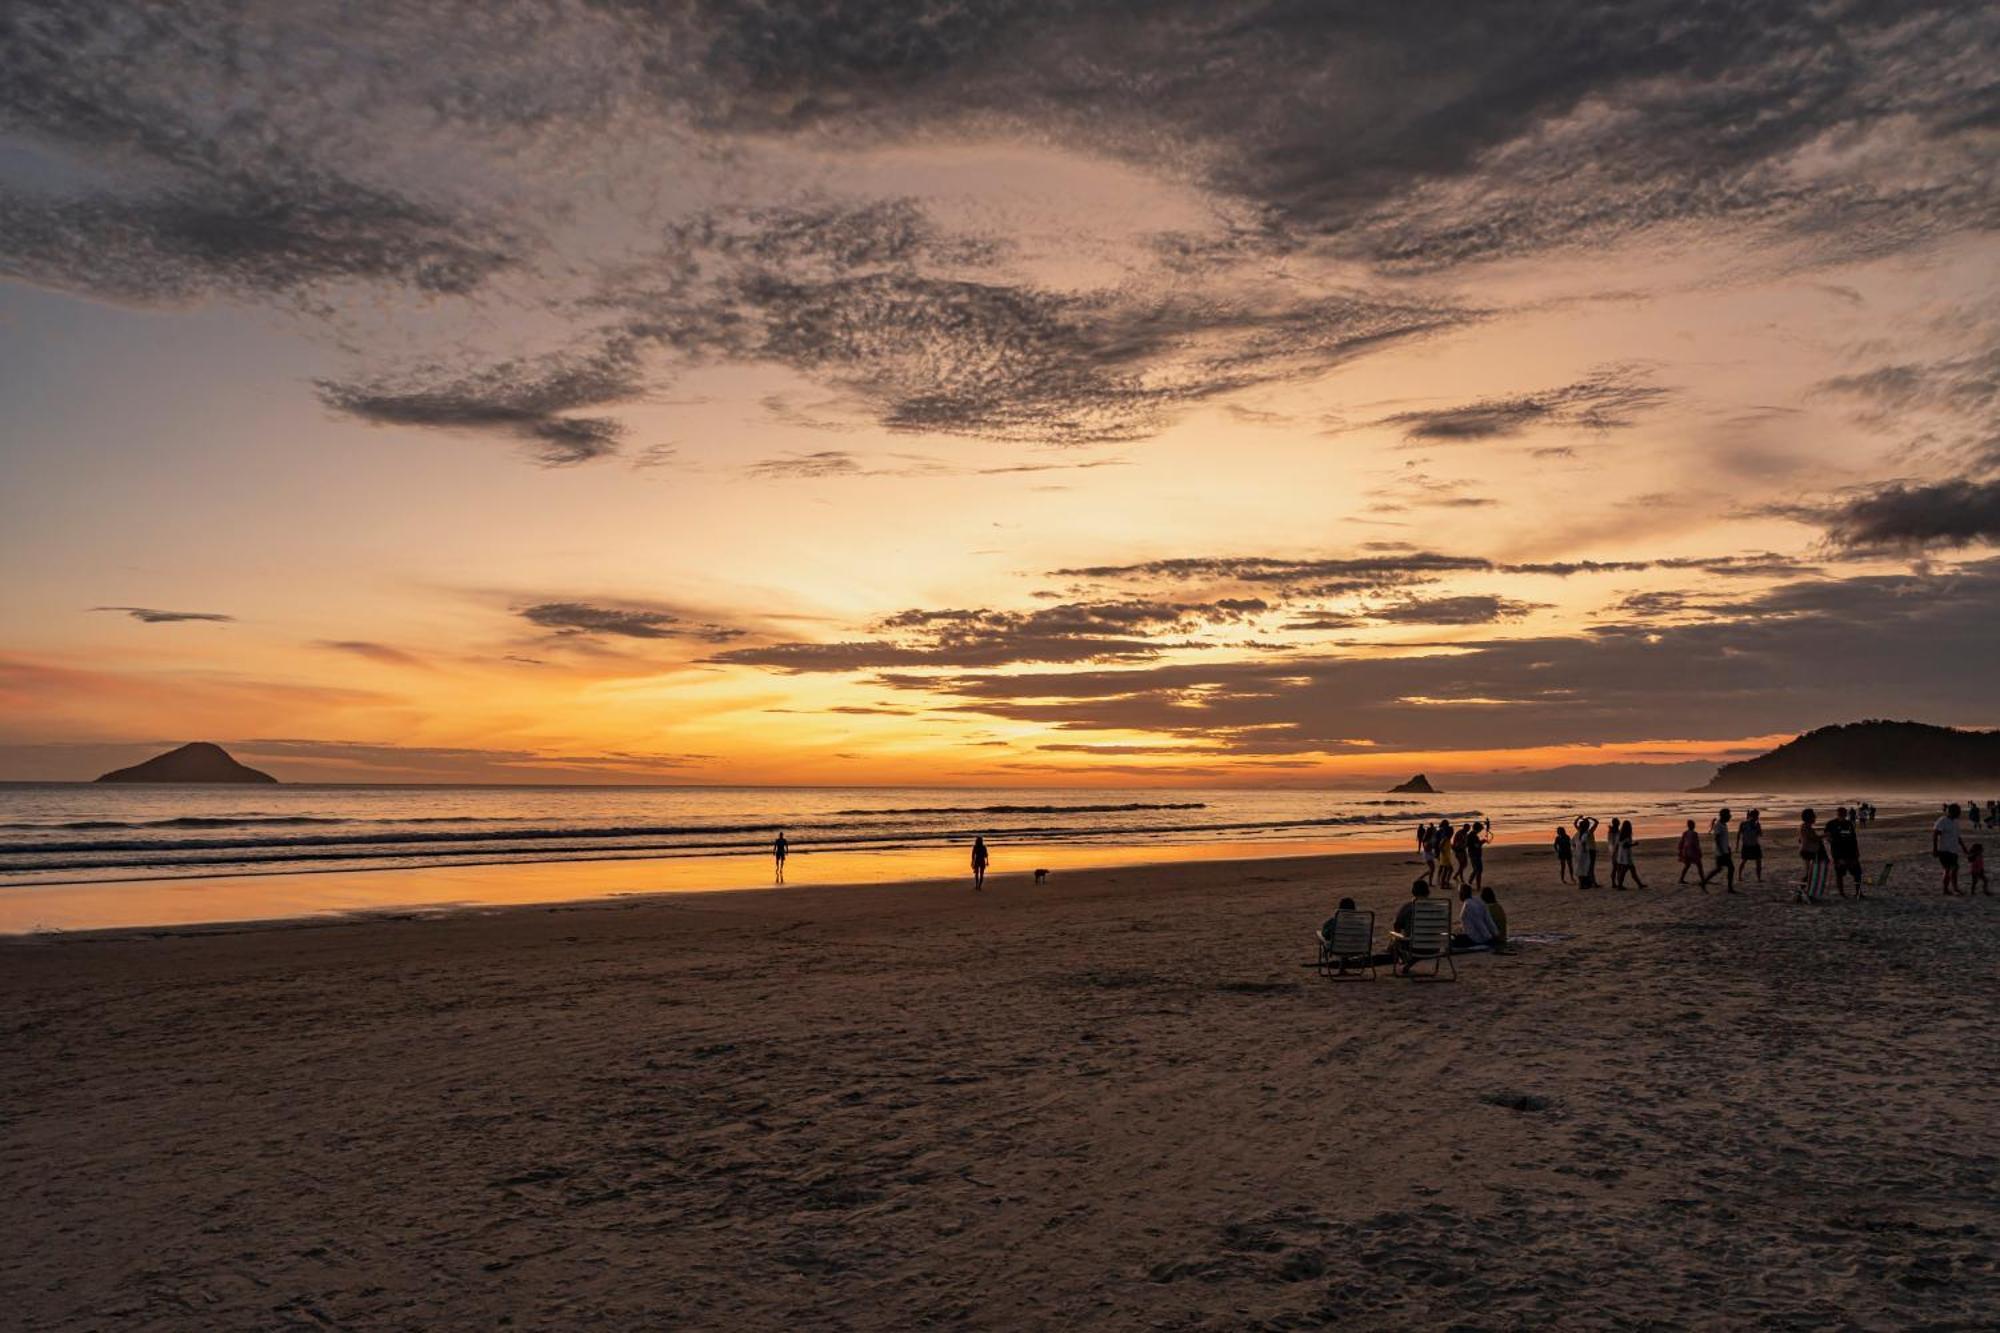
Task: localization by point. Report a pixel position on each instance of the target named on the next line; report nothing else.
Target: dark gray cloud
(525, 400)
(1466, 610)
(1613, 398)
(625, 622)
(1783, 660)
(1912, 517)
(154, 616)
(1129, 630)
(260, 150)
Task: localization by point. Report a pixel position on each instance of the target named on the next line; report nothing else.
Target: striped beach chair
(1429, 940)
(1347, 945)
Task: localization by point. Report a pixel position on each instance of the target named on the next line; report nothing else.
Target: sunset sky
(993, 391)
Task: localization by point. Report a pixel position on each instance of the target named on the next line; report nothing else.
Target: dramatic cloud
(1614, 397)
(1072, 632)
(1913, 517)
(578, 618)
(154, 616)
(1471, 610)
(1780, 661)
(524, 400)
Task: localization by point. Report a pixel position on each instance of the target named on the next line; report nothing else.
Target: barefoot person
(1812, 856)
(779, 850)
(1586, 852)
(1975, 861)
(1750, 844)
(1944, 846)
(1845, 846)
(1725, 864)
(1622, 835)
(1690, 853)
(1565, 857)
(979, 859)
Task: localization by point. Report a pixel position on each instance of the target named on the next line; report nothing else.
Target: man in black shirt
(1845, 847)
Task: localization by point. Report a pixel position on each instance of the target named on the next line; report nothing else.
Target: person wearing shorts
(1750, 845)
(1725, 864)
(1944, 846)
(1845, 846)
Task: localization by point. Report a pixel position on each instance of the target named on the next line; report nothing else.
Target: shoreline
(346, 897)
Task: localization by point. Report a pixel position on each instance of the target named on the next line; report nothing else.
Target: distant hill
(1886, 756)
(1418, 784)
(196, 762)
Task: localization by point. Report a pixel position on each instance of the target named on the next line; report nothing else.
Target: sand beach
(1112, 1101)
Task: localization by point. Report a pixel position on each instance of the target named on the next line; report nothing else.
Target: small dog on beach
(1041, 877)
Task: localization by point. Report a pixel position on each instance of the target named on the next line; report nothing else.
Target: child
(1975, 860)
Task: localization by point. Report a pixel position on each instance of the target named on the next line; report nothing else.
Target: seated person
(1475, 923)
(1326, 938)
(1499, 916)
(1326, 926)
(1399, 932)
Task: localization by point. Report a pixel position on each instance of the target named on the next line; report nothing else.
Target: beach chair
(1349, 944)
(1430, 939)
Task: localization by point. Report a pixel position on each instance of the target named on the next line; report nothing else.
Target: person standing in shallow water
(980, 857)
(780, 849)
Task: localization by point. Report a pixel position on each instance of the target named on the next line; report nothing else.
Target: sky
(996, 392)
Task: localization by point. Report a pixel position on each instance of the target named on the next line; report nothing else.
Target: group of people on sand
(1829, 853)
(1947, 846)
(1576, 853)
(1481, 925)
(1455, 854)
(1988, 813)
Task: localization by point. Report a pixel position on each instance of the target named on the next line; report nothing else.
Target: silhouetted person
(1845, 846)
(980, 857)
(1944, 846)
(1975, 859)
(1475, 853)
(780, 849)
(1499, 915)
(1725, 860)
(1586, 852)
(1812, 854)
(1565, 857)
(1623, 835)
(1690, 851)
(1750, 844)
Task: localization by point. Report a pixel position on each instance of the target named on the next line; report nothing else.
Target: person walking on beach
(1586, 852)
(1750, 844)
(1975, 859)
(1427, 842)
(980, 857)
(1812, 852)
(1621, 857)
(1623, 834)
(1944, 846)
(1845, 845)
(1458, 853)
(779, 850)
(1690, 852)
(1725, 863)
(1475, 854)
(1565, 862)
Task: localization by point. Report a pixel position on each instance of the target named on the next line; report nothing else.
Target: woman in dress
(1625, 847)
(1586, 852)
(980, 857)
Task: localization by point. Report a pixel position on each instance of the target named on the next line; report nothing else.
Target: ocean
(53, 833)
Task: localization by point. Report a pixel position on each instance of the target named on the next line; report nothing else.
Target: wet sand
(1113, 1101)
